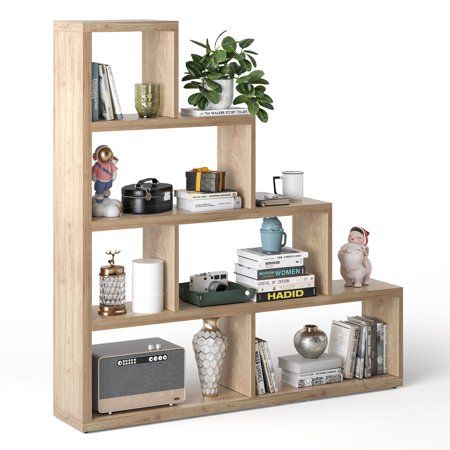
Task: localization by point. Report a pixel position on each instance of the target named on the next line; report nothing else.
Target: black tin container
(147, 198)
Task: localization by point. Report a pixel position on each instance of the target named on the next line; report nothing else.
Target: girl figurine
(104, 172)
(353, 256)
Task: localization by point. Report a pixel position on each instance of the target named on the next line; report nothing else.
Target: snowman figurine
(354, 258)
(104, 172)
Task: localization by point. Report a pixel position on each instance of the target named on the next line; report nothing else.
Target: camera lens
(217, 286)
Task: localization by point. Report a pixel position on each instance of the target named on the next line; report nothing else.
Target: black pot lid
(142, 188)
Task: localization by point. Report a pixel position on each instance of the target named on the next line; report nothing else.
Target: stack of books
(361, 343)
(303, 372)
(105, 100)
(208, 201)
(275, 276)
(265, 372)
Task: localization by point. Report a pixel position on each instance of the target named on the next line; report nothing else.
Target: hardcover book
(195, 112)
(267, 364)
(212, 204)
(267, 274)
(385, 349)
(299, 365)
(372, 337)
(105, 104)
(344, 343)
(260, 389)
(95, 92)
(257, 254)
(284, 295)
(193, 195)
(361, 353)
(304, 281)
(117, 110)
(269, 199)
(263, 265)
(327, 377)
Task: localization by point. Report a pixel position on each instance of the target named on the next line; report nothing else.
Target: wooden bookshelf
(75, 318)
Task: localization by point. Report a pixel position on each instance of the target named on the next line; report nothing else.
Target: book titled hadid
(284, 295)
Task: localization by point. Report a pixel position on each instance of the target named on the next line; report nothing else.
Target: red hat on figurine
(363, 231)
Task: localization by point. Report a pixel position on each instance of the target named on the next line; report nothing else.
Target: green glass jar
(146, 99)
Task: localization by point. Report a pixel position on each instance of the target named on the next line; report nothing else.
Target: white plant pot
(226, 96)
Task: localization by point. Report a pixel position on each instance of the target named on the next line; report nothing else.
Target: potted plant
(213, 75)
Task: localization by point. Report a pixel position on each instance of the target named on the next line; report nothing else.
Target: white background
(362, 99)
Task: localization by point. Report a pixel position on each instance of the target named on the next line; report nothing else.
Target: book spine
(117, 110)
(292, 283)
(106, 109)
(265, 265)
(220, 112)
(273, 381)
(209, 205)
(385, 349)
(269, 274)
(204, 196)
(260, 389)
(374, 349)
(380, 363)
(264, 365)
(359, 368)
(368, 356)
(315, 381)
(95, 93)
(350, 362)
(260, 257)
(316, 373)
(285, 295)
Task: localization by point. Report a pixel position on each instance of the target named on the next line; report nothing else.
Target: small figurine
(355, 264)
(104, 172)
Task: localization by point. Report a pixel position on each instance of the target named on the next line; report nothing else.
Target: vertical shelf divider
(239, 366)
(236, 156)
(72, 230)
(312, 231)
(161, 241)
(160, 65)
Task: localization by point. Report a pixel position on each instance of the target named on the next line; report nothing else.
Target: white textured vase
(210, 345)
(226, 96)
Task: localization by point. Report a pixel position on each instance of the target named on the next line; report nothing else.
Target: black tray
(237, 293)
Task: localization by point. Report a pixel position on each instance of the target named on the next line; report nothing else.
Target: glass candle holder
(147, 99)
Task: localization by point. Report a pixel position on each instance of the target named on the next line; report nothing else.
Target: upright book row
(105, 100)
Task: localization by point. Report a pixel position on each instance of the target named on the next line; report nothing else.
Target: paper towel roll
(147, 285)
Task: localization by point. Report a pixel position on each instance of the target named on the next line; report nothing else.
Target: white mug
(292, 184)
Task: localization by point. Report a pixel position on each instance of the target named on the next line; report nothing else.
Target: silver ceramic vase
(310, 342)
(210, 345)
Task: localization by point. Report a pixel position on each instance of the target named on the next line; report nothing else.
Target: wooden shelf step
(228, 400)
(341, 294)
(133, 122)
(182, 217)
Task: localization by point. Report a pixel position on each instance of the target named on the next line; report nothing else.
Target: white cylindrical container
(148, 285)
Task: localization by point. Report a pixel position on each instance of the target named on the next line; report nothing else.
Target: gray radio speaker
(137, 374)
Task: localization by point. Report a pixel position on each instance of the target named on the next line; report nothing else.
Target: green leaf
(246, 43)
(212, 96)
(266, 105)
(194, 69)
(196, 58)
(250, 57)
(220, 55)
(203, 103)
(239, 56)
(240, 99)
(246, 89)
(256, 74)
(214, 75)
(246, 65)
(253, 107)
(215, 43)
(188, 77)
(229, 44)
(250, 51)
(260, 81)
(225, 70)
(208, 48)
(265, 98)
(193, 85)
(262, 115)
(195, 98)
(260, 89)
(242, 80)
(198, 43)
(213, 85)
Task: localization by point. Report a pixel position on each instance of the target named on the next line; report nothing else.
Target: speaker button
(165, 357)
(150, 358)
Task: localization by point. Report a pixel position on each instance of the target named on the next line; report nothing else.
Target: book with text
(114, 96)
(267, 274)
(195, 112)
(267, 365)
(192, 195)
(303, 281)
(289, 294)
(260, 389)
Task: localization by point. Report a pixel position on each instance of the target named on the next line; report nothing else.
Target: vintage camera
(209, 281)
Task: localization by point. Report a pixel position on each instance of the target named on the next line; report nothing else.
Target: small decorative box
(204, 180)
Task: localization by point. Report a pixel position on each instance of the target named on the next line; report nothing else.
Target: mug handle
(284, 239)
(275, 184)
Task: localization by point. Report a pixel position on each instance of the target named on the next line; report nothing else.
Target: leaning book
(195, 112)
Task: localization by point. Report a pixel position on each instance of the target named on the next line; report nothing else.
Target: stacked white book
(303, 372)
(361, 343)
(275, 276)
(208, 201)
(265, 371)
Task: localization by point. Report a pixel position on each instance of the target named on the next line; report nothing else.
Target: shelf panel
(115, 25)
(133, 122)
(341, 294)
(182, 217)
(231, 401)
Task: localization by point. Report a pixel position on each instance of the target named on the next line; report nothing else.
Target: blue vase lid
(271, 224)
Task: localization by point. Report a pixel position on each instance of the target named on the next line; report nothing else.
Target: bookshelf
(75, 318)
